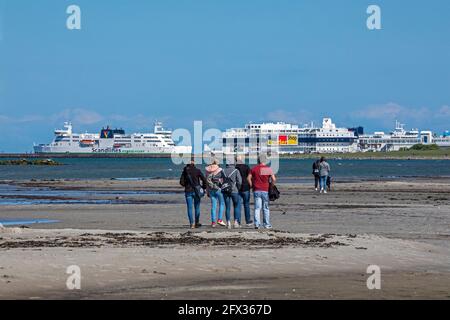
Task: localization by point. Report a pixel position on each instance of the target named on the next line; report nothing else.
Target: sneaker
(324, 191)
(237, 224)
(321, 190)
(192, 226)
(198, 225)
(317, 189)
(229, 224)
(250, 223)
(213, 225)
(268, 227)
(221, 223)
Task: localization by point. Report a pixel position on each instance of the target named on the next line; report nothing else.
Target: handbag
(274, 194)
(198, 190)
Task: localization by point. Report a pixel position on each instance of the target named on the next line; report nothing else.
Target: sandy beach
(130, 240)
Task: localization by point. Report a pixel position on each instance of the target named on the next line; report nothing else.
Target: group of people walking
(229, 188)
(322, 179)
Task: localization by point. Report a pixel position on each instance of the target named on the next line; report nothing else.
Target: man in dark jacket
(191, 177)
(244, 191)
(316, 174)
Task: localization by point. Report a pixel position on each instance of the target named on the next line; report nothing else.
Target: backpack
(315, 168)
(227, 184)
(213, 182)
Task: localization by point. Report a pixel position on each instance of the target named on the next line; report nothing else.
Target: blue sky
(223, 62)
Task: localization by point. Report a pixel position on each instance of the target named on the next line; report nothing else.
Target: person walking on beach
(192, 179)
(214, 181)
(232, 176)
(259, 179)
(324, 171)
(244, 192)
(315, 172)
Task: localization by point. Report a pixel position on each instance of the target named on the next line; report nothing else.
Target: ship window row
(390, 141)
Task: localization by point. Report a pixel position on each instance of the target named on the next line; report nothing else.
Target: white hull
(111, 142)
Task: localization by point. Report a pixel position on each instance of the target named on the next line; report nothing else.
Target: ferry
(111, 141)
(285, 138)
(400, 139)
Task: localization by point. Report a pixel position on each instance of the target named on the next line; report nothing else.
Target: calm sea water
(164, 168)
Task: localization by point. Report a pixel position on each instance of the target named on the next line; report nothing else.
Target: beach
(131, 240)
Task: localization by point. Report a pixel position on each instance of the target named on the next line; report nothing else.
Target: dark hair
(322, 159)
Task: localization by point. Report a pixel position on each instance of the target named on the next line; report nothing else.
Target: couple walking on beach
(227, 188)
(321, 172)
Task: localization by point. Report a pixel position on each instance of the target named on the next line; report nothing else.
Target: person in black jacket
(244, 191)
(316, 173)
(191, 177)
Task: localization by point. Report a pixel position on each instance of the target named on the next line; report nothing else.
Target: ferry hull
(111, 142)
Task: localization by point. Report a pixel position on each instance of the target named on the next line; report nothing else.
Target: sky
(222, 62)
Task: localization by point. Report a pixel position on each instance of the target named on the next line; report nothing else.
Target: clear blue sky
(223, 62)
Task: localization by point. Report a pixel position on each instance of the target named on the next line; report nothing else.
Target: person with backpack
(230, 188)
(244, 192)
(259, 179)
(324, 172)
(194, 183)
(214, 180)
(315, 172)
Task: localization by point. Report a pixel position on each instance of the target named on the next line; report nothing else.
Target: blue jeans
(192, 199)
(216, 197)
(236, 205)
(262, 202)
(245, 195)
(323, 182)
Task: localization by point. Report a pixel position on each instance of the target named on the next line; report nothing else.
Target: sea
(164, 168)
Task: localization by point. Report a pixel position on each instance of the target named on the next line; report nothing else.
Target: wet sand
(137, 245)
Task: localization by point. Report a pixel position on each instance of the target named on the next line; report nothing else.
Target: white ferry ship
(111, 141)
(400, 139)
(285, 138)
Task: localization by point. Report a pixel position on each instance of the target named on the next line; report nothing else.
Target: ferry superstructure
(285, 138)
(400, 139)
(111, 141)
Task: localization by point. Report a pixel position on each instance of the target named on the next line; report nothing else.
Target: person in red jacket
(259, 179)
